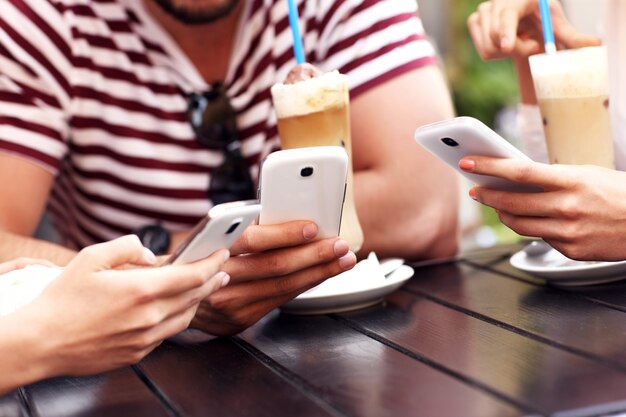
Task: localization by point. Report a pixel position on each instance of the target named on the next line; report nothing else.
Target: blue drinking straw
(298, 49)
(546, 24)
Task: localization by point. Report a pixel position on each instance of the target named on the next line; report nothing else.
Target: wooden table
(472, 337)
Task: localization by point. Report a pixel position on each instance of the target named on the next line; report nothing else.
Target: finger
(170, 326)
(491, 49)
(108, 255)
(261, 238)
(508, 22)
(542, 227)
(172, 280)
(473, 26)
(285, 261)
(496, 12)
(518, 170)
(273, 292)
(527, 47)
(546, 204)
(566, 34)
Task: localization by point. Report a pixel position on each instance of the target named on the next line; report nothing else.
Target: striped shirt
(94, 92)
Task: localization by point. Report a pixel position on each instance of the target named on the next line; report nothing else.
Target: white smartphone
(304, 184)
(219, 229)
(452, 140)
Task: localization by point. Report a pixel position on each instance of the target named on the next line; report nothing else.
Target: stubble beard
(197, 15)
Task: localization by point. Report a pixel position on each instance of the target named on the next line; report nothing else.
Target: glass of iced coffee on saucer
(313, 109)
(572, 88)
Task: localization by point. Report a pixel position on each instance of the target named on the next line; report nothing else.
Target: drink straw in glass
(546, 25)
(298, 49)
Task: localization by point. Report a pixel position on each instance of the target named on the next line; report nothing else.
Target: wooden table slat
(610, 294)
(119, 393)
(218, 377)
(553, 315)
(11, 406)
(540, 376)
(363, 377)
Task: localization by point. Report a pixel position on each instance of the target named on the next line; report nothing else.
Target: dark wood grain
(530, 373)
(118, 393)
(10, 406)
(218, 377)
(363, 377)
(570, 321)
(610, 294)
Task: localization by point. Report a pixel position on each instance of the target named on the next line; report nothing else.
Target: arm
(95, 318)
(406, 199)
(22, 201)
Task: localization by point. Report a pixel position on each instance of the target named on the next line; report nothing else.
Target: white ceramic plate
(560, 270)
(21, 286)
(361, 287)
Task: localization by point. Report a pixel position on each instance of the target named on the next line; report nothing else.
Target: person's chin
(198, 12)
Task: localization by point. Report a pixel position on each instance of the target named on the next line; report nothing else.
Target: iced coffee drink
(572, 90)
(314, 111)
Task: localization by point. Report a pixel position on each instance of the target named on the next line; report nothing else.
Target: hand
(581, 213)
(512, 28)
(93, 318)
(271, 265)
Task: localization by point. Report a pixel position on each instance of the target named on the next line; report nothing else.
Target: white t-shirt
(613, 27)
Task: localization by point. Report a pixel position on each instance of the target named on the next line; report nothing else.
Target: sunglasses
(214, 123)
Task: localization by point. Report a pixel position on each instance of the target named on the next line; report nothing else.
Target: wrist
(525, 81)
(27, 358)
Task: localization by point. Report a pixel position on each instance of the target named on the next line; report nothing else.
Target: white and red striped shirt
(94, 92)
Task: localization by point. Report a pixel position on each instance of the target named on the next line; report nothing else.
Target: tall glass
(573, 93)
(316, 112)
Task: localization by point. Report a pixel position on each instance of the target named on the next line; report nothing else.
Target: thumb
(572, 39)
(527, 47)
(108, 255)
(568, 36)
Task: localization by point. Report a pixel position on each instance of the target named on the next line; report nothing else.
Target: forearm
(23, 362)
(407, 200)
(414, 218)
(14, 246)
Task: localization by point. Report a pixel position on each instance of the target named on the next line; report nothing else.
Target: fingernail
(148, 256)
(225, 255)
(341, 248)
(505, 42)
(347, 261)
(309, 231)
(467, 164)
(225, 278)
(472, 194)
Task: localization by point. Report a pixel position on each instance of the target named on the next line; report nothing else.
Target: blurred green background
(481, 90)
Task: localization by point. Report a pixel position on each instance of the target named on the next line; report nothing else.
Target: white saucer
(21, 286)
(560, 270)
(363, 286)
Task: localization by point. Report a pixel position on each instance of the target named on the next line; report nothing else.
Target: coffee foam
(573, 73)
(310, 95)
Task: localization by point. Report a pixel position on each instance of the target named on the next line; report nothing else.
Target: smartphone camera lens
(306, 172)
(233, 227)
(450, 142)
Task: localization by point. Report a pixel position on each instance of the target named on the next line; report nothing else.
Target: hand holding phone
(219, 229)
(304, 184)
(452, 140)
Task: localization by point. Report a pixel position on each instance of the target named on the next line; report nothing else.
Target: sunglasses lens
(231, 181)
(214, 122)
